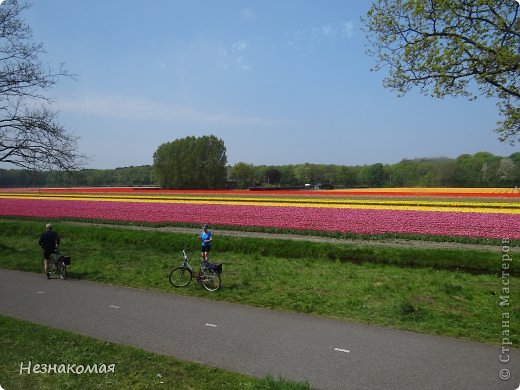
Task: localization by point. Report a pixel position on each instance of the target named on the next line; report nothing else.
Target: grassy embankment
(413, 289)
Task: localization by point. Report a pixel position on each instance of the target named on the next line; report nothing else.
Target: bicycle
(58, 264)
(208, 274)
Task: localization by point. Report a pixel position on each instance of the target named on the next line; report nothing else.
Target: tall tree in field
(451, 47)
(304, 173)
(244, 174)
(30, 136)
(191, 163)
(374, 175)
(212, 162)
(273, 176)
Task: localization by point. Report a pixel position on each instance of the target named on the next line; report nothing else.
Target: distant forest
(478, 170)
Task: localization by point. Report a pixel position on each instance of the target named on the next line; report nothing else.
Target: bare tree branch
(30, 136)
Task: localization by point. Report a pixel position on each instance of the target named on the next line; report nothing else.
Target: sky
(279, 81)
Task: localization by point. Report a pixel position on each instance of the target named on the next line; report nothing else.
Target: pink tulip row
(362, 221)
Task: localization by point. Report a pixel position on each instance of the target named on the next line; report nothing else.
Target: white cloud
(327, 30)
(239, 46)
(222, 57)
(222, 52)
(347, 29)
(133, 108)
(241, 63)
(160, 64)
(312, 38)
(247, 13)
(235, 56)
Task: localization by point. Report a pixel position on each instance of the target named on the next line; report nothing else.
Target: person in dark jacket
(49, 241)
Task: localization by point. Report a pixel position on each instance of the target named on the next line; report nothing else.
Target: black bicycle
(58, 265)
(208, 274)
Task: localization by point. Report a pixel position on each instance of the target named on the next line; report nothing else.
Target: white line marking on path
(114, 307)
(341, 350)
(211, 325)
(40, 292)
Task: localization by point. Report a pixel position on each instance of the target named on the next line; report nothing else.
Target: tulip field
(479, 213)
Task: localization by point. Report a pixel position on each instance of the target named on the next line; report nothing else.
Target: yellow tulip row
(381, 204)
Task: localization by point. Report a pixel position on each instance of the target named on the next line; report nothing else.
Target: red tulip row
(386, 192)
(361, 221)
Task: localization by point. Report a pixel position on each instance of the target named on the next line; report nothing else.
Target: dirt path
(394, 243)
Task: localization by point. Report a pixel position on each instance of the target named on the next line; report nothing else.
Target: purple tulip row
(361, 221)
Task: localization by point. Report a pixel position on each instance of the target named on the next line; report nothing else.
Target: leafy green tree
(506, 171)
(273, 176)
(212, 162)
(304, 173)
(344, 176)
(396, 177)
(191, 163)
(446, 173)
(375, 175)
(287, 175)
(467, 171)
(515, 157)
(445, 47)
(244, 174)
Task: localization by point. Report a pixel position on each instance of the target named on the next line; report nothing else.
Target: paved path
(329, 354)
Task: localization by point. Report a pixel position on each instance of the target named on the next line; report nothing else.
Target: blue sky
(281, 82)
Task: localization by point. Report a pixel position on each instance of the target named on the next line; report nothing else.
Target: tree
(344, 176)
(273, 176)
(303, 173)
(443, 47)
(30, 136)
(244, 174)
(191, 163)
(506, 171)
(375, 175)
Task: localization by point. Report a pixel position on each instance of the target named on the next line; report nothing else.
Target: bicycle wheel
(61, 270)
(210, 280)
(51, 268)
(180, 276)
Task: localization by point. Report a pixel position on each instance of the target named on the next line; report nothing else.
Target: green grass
(22, 342)
(449, 259)
(278, 274)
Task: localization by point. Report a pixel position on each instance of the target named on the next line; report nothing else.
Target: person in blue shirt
(206, 237)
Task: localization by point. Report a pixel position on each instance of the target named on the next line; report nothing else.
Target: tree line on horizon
(440, 48)
(481, 169)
